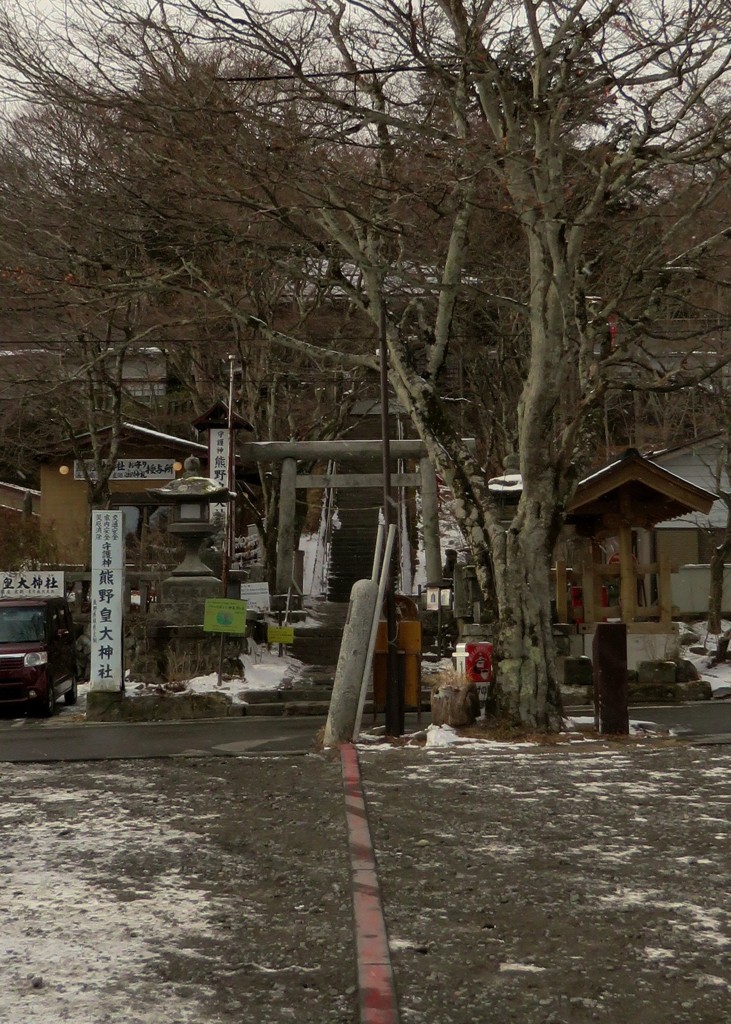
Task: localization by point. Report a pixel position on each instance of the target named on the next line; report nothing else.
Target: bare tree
(721, 552)
(405, 130)
(113, 240)
(577, 113)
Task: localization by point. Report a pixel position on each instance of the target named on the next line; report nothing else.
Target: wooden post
(587, 590)
(627, 577)
(609, 657)
(666, 594)
(562, 611)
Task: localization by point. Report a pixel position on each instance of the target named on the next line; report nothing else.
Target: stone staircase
(352, 545)
(317, 640)
(317, 645)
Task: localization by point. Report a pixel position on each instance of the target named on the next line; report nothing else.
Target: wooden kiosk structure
(631, 493)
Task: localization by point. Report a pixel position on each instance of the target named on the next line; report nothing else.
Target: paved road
(57, 740)
(28, 739)
(709, 719)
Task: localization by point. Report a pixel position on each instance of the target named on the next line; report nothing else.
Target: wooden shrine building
(627, 496)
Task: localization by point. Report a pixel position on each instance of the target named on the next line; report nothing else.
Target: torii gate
(288, 452)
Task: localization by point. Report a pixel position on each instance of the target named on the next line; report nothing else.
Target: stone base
(645, 647)
(578, 696)
(183, 598)
(643, 693)
(102, 706)
(657, 672)
(668, 693)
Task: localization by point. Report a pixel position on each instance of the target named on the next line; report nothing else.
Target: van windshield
(21, 625)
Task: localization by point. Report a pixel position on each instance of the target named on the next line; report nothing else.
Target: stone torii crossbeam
(287, 453)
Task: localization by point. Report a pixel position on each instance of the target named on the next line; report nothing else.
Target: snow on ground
(719, 676)
(263, 670)
(72, 949)
(637, 727)
(607, 881)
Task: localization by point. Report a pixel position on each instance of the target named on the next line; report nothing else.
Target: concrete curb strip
(375, 975)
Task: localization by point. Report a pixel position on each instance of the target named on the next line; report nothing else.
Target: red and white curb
(375, 975)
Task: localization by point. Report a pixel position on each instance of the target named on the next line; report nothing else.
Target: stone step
(307, 673)
(275, 696)
(316, 650)
(304, 709)
(328, 631)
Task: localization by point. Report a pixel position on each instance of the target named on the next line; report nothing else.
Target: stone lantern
(190, 498)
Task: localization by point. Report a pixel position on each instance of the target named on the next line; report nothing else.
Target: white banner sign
(218, 453)
(130, 469)
(33, 583)
(107, 592)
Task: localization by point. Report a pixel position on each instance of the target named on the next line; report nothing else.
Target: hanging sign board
(438, 597)
(32, 584)
(224, 615)
(107, 593)
(128, 469)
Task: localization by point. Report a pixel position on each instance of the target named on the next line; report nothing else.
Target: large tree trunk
(512, 567)
(526, 689)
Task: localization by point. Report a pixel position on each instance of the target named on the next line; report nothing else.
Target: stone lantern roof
(192, 488)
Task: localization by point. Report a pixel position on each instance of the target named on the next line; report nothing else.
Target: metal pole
(394, 687)
(229, 531)
(228, 526)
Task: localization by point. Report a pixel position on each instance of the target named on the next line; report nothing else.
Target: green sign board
(224, 615)
(280, 634)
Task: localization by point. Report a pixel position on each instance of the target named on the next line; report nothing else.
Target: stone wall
(158, 651)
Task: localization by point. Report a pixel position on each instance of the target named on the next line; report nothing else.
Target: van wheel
(72, 695)
(48, 706)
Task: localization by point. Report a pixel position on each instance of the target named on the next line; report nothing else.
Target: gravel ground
(180, 891)
(556, 886)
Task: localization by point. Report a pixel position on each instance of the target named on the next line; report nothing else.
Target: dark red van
(37, 653)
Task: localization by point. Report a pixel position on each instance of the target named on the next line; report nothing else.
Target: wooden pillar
(430, 522)
(609, 657)
(588, 580)
(597, 581)
(627, 578)
(562, 611)
(665, 594)
(285, 535)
